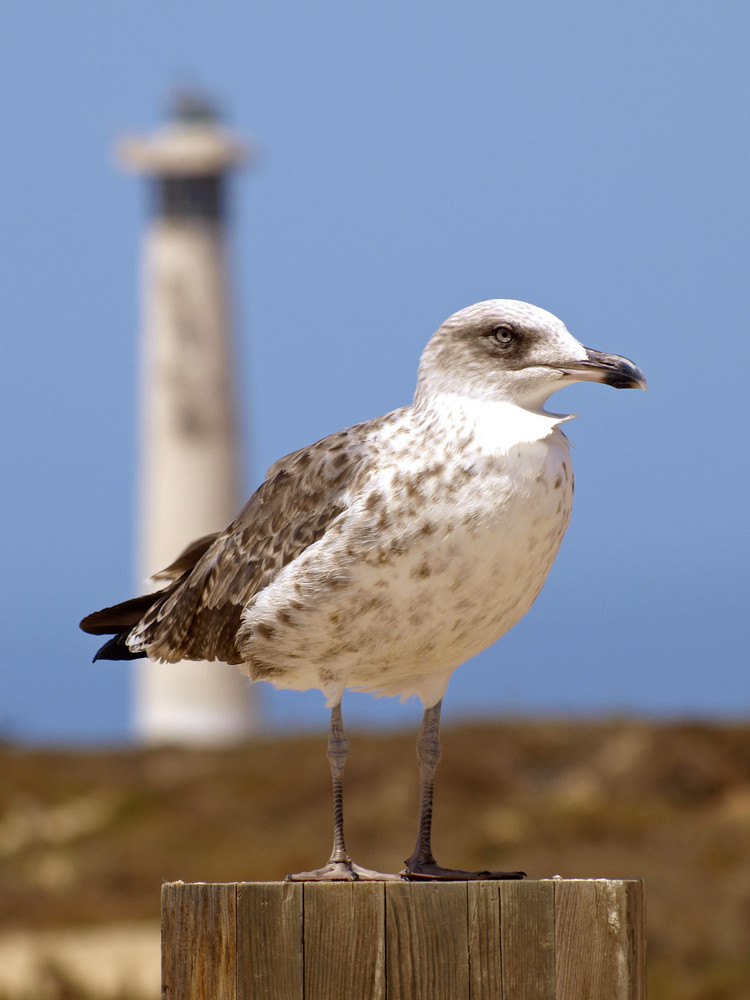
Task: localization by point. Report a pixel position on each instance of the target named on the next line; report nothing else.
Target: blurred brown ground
(87, 837)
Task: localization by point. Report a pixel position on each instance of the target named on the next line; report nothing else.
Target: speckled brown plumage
(216, 577)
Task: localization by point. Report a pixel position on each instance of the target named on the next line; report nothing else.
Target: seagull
(382, 557)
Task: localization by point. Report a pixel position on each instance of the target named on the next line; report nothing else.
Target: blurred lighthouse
(189, 448)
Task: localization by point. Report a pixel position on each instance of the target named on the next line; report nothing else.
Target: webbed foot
(430, 870)
(343, 871)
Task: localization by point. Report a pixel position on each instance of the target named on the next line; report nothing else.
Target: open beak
(607, 368)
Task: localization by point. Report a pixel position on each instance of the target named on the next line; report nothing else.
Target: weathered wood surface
(547, 939)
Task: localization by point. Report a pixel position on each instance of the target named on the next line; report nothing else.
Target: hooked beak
(607, 368)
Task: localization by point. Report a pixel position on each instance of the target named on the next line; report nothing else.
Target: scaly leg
(422, 864)
(340, 866)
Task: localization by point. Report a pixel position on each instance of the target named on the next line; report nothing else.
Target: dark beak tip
(638, 380)
(620, 381)
(618, 372)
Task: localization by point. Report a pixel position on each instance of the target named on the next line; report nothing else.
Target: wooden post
(549, 939)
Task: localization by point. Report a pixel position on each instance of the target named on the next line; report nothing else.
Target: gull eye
(503, 334)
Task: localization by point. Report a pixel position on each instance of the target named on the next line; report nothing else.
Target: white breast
(443, 553)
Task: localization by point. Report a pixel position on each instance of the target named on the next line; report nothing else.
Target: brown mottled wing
(199, 617)
(187, 559)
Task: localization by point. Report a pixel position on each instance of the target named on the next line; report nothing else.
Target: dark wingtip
(119, 617)
(86, 625)
(116, 649)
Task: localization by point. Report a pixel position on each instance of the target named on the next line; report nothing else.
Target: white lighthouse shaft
(189, 483)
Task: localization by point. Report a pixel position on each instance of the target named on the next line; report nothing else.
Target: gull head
(507, 350)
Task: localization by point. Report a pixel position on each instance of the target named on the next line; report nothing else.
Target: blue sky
(412, 158)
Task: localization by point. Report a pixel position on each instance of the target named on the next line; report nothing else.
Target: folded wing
(197, 615)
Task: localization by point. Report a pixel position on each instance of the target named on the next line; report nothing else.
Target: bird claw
(343, 871)
(430, 871)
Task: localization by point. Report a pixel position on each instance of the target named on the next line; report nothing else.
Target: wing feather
(198, 617)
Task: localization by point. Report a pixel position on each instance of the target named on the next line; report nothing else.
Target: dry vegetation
(87, 837)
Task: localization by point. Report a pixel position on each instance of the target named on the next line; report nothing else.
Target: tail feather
(121, 620)
(119, 616)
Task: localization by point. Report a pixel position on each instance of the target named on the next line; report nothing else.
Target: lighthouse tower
(189, 456)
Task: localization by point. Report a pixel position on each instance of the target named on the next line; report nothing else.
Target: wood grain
(485, 957)
(604, 917)
(199, 934)
(427, 946)
(269, 941)
(527, 939)
(551, 939)
(344, 941)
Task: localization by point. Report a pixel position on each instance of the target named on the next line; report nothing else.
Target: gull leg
(422, 864)
(340, 866)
